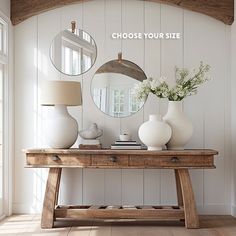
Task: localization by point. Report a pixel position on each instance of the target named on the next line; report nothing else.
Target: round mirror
(73, 52)
(113, 88)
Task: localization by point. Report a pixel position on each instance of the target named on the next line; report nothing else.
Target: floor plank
(101, 231)
(80, 231)
(29, 225)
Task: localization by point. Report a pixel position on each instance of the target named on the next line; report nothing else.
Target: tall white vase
(154, 133)
(182, 128)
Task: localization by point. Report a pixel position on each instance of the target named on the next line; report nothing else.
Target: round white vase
(61, 129)
(154, 133)
(182, 128)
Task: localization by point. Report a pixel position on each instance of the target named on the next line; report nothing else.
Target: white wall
(5, 7)
(9, 111)
(233, 112)
(203, 38)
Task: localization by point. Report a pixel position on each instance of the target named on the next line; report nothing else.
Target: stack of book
(126, 145)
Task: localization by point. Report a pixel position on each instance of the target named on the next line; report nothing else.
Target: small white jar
(125, 137)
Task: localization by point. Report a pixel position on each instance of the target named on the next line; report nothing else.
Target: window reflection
(118, 102)
(73, 53)
(114, 94)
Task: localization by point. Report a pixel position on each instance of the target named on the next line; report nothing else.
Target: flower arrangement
(186, 84)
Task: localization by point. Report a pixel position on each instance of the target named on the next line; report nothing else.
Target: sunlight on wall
(40, 61)
(39, 175)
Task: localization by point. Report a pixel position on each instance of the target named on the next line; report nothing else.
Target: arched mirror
(73, 51)
(113, 88)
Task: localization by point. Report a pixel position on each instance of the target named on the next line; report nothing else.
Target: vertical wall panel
(25, 191)
(112, 127)
(71, 187)
(152, 178)
(215, 107)
(232, 116)
(93, 22)
(112, 47)
(93, 186)
(113, 187)
(47, 27)
(132, 187)
(228, 167)
(192, 29)
(171, 56)
(72, 179)
(209, 106)
(68, 14)
(133, 50)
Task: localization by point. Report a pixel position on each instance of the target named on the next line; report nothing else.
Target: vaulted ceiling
(222, 10)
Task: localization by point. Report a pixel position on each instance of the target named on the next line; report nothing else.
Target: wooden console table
(179, 161)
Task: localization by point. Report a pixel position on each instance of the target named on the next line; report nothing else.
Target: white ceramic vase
(154, 133)
(61, 129)
(182, 128)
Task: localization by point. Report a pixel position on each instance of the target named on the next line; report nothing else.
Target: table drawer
(59, 160)
(110, 160)
(171, 161)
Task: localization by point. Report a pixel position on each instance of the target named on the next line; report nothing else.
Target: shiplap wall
(203, 38)
(5, 7)
(233, 112)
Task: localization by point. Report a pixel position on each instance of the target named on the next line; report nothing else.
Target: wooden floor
(29, 225)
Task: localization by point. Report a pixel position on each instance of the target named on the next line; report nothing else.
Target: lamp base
(61, 129)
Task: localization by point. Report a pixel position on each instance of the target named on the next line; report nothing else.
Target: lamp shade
(61, 93)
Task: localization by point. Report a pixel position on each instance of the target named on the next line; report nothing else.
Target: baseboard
(202, 210)
(2, 217)
(19, 208)
(233, 211)
(214, 209)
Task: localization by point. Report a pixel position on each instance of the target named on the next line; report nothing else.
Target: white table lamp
(61, 128)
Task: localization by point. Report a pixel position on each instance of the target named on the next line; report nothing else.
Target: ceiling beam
(222, 10)
(24, 9)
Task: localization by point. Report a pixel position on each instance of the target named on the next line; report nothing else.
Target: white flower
(142, 90)
(162, 79)
(186, 85)
(154, 84)
(147, 83)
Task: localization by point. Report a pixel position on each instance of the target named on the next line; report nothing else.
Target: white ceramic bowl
(125, 137)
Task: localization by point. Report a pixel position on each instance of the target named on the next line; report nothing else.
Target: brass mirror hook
(120, 56)
(73, 26)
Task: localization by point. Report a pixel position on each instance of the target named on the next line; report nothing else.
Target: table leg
(178, 189)
(190, 211)
(50, 198)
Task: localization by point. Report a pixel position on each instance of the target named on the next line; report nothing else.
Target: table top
(187, 152)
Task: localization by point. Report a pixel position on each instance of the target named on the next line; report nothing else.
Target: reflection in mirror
(113, 88)
(73, 53)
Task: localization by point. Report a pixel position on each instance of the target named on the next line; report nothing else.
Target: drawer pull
(55, 158)
(174, 159)
(113, 159)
